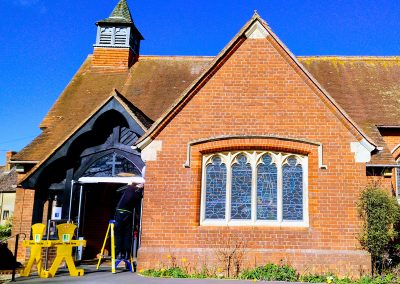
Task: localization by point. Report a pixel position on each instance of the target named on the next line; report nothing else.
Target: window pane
(398, 181)
(292, 191)
(215, 190)
(111, 165)
(241, 189)
(267, 190)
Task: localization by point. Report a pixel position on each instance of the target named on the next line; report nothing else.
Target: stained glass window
(263, 187)
(398, 181)
(241, 189)
(111, 165)
(215, 190)
(292, 190)
(267, 190)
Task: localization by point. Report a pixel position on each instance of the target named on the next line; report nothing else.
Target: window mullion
(280, 193)
(254, 188)
(113, 36)
(203, 192)
(228, 188)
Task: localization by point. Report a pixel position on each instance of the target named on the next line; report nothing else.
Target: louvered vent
(120, 36)
(120, 39)
(128, 137)
(106, 36)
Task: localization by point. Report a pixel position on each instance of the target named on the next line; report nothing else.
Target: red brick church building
(254, 145)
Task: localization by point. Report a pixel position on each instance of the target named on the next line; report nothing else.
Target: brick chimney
(9, 155)
(118, 40)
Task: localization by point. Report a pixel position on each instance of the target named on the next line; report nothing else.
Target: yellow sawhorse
(110, 230)
(36, 246)
(64, 251)
(114, 263)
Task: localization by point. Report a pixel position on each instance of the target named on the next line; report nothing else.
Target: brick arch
(197, 148)
(396, 152)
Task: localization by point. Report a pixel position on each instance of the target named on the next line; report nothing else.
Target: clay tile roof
(150, 86)
(8, 180)
(367, 88)
(157, 81)
(120, 14)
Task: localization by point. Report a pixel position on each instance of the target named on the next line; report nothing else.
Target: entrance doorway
(98, 204)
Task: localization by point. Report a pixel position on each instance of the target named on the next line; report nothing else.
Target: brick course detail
(112, 57)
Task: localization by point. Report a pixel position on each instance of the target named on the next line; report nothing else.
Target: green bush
(271, 272)
(5, 230)
(379, 212)
(313, 278)
(377, 280)
(174, 272)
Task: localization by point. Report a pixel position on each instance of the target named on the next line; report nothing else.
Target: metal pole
(70, 201)
(79, 211)
(46, 260)
(133, 234)
(15, 258)
(140, 226)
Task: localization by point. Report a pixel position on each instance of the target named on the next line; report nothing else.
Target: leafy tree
(379, 213)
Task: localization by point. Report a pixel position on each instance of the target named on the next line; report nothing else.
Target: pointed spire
(121, 11)
(120, 14)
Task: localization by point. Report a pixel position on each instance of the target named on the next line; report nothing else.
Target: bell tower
(118, 39)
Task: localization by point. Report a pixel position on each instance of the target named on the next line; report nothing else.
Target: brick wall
(22, 219)
(112, 57)
(257, 91)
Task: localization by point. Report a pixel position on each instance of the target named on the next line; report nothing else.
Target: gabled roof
(191, 90)
(141, 119)
(8, 180)
(120, 14)
(150, 86)
(368, 88)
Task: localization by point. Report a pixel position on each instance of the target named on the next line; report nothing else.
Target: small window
(110, 166)
(397, 172)
(254, 188)
(6, 214)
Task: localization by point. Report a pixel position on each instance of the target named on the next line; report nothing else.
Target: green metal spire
(121, 11)
(120, 14)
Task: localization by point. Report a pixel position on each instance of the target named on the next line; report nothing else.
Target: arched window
(241, 189)
(397, 171)
(267, 189)
(292, 190)
(110, 166)
(254, 188)
(215, 189)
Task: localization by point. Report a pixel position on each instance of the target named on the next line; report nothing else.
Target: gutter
(24, 162)
(383, 165)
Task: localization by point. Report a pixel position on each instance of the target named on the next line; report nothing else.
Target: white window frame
(254, 158)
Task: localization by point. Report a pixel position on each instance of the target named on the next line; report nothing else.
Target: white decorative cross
(113, 164)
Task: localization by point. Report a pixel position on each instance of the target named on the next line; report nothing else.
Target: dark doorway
(99, 202)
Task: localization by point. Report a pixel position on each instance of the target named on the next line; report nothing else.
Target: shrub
(5, 230)
(379, 213)
(271, 272)
(174, 272)
(313, 278)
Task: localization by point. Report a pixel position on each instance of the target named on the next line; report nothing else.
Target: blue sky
(43, 42)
